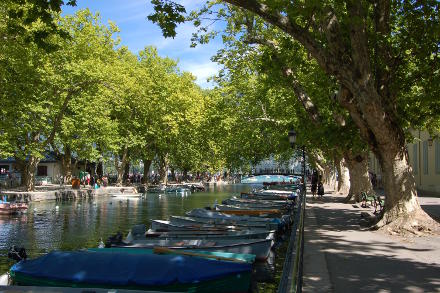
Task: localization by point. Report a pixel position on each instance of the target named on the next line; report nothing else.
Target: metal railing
(291, 278)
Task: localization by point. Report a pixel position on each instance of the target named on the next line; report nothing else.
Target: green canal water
(83, 223)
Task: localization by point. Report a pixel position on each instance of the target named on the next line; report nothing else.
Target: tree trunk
(100, 169)
(327, 175)
(147, 164)
(29, 175)
(163, 166)
(401, 200)
(66, 164)
(185, 174)
(359, 178)
(343, 176)
(120, 166)
(127, 170)
(387, 141)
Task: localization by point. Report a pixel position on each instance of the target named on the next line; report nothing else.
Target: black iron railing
(291, 278)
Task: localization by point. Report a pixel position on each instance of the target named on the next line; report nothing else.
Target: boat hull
(7, 208)
(259, 247)
(136, 272)
(178, 220)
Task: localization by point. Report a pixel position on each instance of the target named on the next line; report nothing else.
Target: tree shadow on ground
(362, 262)
(432, 210)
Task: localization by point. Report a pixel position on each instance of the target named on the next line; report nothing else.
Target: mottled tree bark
(30, 170)
(163, 168)
(359, 178)
(66, 164)
(100, 169)
(343, 176)
(120, 166)
(127, 170)
(147, 164)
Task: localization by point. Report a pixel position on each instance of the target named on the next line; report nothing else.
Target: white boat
(165, 226)
(9, 208)
(179, 220)
(246, 234)
(259, 247)
(204, 213)
(126, 195)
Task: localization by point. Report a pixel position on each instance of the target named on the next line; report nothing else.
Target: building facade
(49, 170)
(424, 157)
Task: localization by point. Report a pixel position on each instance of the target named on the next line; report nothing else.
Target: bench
(374, 199)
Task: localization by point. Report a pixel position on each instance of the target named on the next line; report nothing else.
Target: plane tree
(373, 49)
(40, 85)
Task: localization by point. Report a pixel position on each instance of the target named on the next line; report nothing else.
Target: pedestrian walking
(314, 183)
(320, 188)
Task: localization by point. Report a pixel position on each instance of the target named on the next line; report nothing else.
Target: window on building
(425, 157)
(42, 171)
(437, 156)
(4, 168)
(415, 158)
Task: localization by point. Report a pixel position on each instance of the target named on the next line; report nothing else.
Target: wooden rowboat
(165, 226)
(179, 220)
(259, 247)
(249, 212)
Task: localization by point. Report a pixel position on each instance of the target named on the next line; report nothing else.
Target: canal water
(77, 224)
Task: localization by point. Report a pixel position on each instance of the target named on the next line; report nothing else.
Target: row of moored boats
(206, 250)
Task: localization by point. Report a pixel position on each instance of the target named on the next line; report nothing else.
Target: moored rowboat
(228, 235)
(241, 257)
(179, 220)
(258, 247)
(85, 269)
(167, 226)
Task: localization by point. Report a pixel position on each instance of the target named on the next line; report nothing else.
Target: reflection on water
(82, 223)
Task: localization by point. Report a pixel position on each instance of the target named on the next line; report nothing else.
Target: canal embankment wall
(63, 193)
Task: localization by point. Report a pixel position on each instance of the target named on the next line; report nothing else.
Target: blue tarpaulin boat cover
(121, 269)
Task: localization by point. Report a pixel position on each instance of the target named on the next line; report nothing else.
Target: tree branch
(298, 33)
(57, 122)
(358, 39)
(345, 98)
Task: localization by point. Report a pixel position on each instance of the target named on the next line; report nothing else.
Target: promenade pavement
(341, 256)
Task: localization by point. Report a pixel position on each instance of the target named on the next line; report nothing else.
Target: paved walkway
(340, 257)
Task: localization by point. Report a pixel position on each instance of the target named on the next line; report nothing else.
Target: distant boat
(9, 208)
(170, 273)
(134, 195)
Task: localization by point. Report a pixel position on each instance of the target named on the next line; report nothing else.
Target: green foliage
(34, 20)
(405, 58)
(167, 14)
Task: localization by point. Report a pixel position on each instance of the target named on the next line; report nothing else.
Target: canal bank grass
(342, 257)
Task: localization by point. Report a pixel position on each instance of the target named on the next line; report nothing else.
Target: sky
(136, 32)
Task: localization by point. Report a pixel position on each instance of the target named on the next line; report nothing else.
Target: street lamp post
(292, 141)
